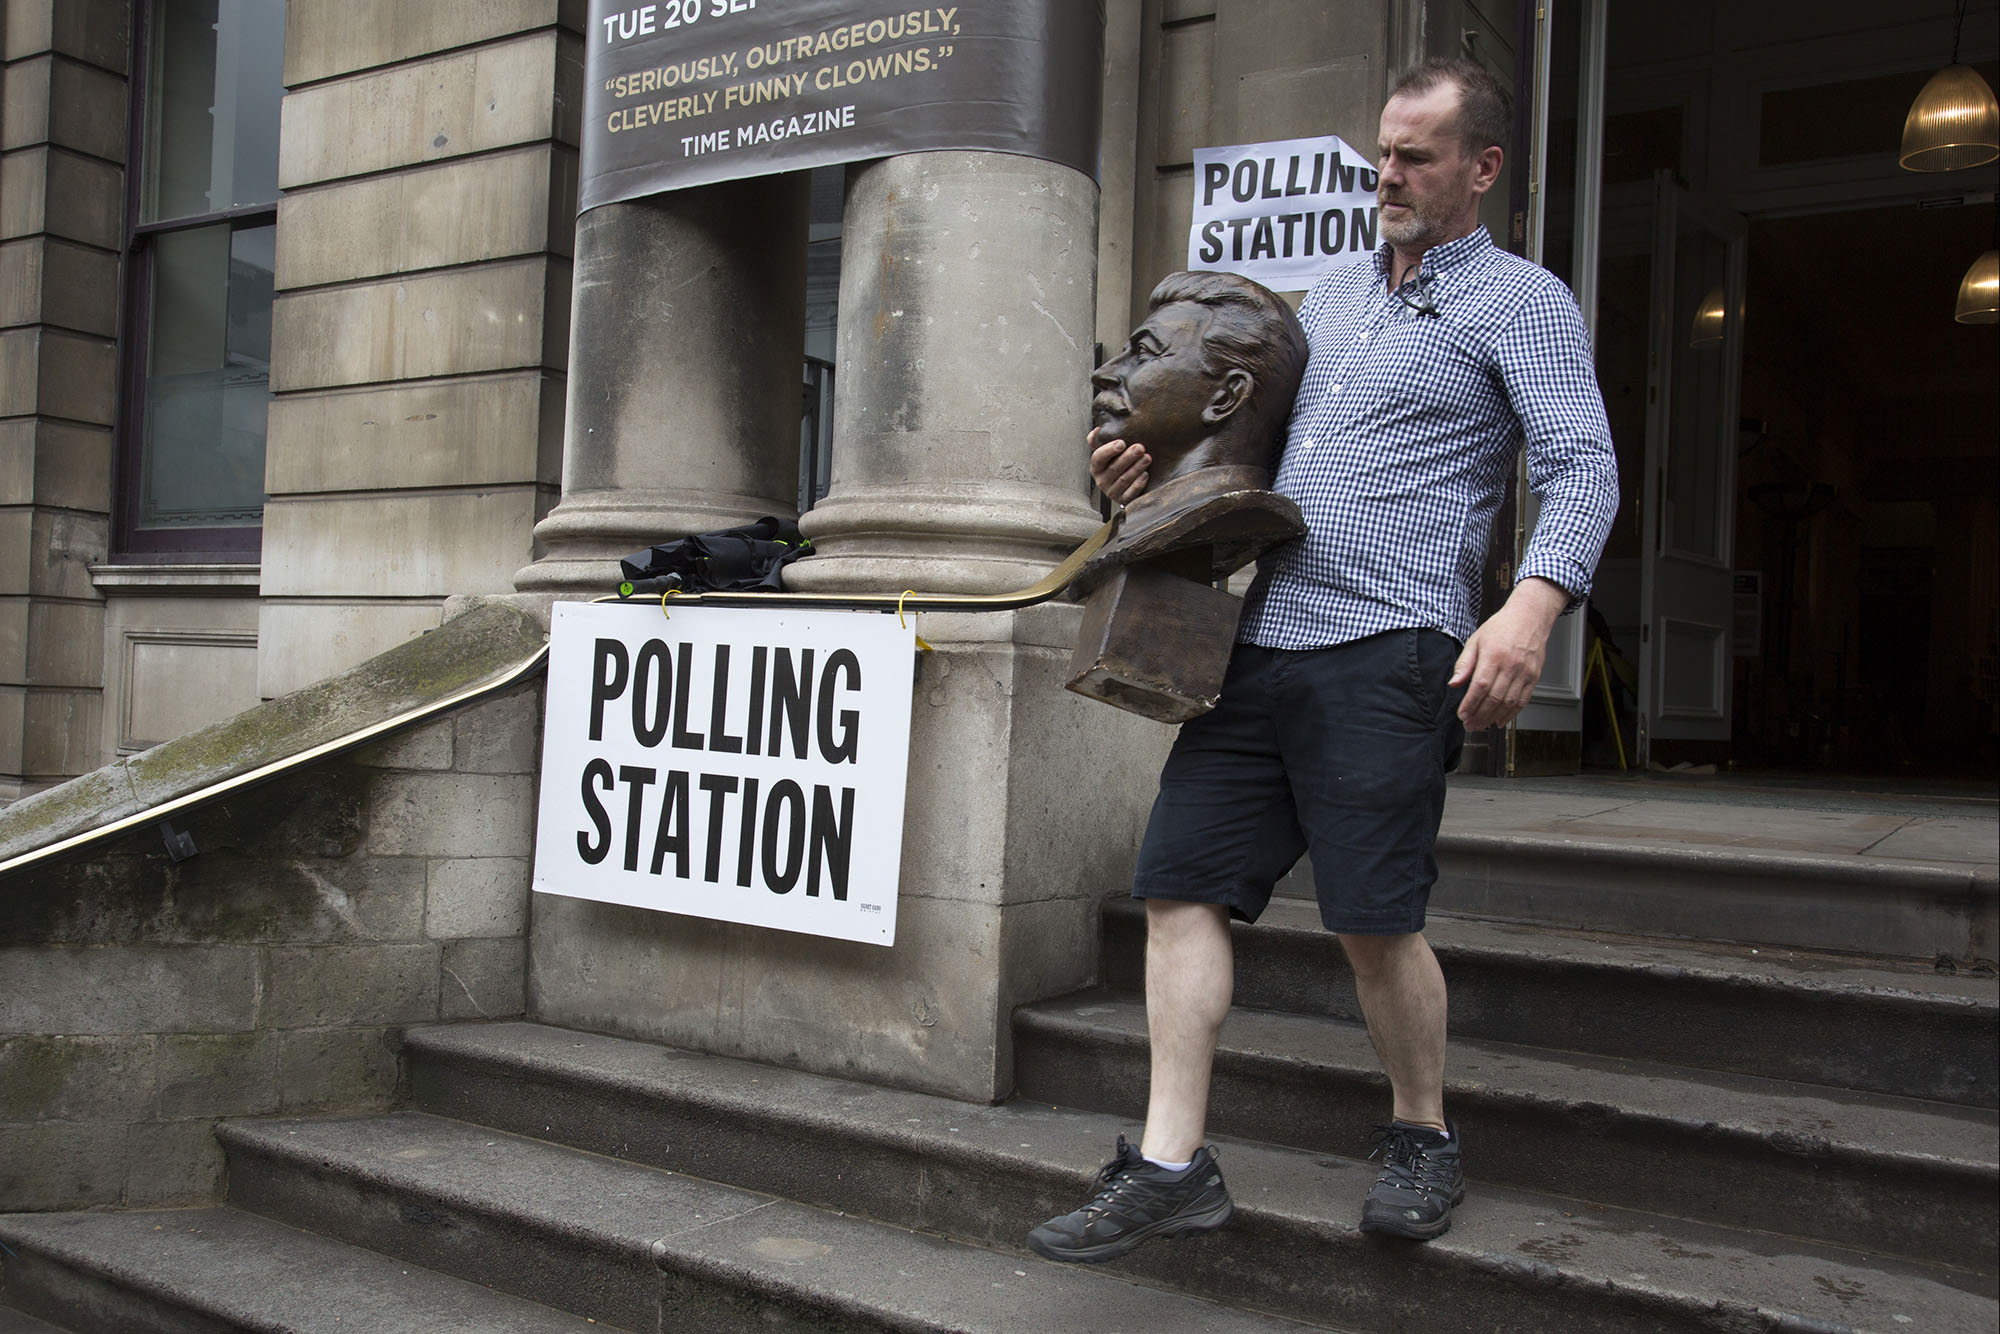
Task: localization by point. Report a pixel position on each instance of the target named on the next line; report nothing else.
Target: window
(201, 253)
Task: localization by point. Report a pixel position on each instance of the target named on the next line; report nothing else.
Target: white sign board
(1282, 213)
(746, 765)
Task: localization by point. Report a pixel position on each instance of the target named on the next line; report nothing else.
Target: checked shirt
(1403, 439)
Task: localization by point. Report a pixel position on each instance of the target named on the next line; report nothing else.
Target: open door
(1694, 360)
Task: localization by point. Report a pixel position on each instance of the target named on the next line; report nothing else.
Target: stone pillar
(686, 346)
(62, 198)
(967, 288)
(962, 398)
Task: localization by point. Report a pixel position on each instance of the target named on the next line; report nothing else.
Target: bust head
(1208, 378)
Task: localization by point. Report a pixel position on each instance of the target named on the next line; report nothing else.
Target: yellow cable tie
(666, 593)
(922, 644)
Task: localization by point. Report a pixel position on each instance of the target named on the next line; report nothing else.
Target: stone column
(967, 292)
(962, 399)
(686, 345)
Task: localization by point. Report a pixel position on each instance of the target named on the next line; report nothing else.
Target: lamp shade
(1953, 124)
(1979, 293)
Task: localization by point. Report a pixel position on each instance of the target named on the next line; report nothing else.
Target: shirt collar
(1439, 258)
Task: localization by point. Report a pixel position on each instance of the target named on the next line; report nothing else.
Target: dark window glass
(208, 378)
(202, 256)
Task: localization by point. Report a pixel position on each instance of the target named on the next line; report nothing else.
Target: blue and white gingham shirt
(1403, 439)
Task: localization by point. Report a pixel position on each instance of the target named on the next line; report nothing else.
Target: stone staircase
(1661, 1135)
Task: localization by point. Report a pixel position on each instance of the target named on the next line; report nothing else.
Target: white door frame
(1557, 705)
(1685, 595)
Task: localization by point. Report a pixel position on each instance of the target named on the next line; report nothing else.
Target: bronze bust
(1206, 384)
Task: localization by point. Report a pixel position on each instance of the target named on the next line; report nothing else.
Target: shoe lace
(1112, 1179)
(1405, 1161)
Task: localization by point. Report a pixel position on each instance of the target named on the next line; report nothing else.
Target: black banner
(688, 92)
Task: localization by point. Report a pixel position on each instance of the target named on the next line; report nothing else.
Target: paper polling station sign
(1282, 213)
(738, 764)
(680, 93)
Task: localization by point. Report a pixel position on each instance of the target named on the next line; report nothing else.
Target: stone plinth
(1023, 810)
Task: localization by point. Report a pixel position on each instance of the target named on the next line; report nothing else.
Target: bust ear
(1230, 396)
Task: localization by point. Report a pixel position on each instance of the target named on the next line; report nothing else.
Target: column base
(588, 534)
(937, 542)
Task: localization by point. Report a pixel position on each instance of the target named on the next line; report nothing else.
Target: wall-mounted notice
(739, 764)
(1282, 213)
(688, 92)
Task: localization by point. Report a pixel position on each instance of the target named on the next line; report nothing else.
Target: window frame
(130, 542)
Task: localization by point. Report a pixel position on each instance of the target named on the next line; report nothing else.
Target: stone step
(1532, 872)
(203, 1271)
(1891, 1175)
(1513, 1259)
(648, 1248)
(1855, 1023)
(17, 1322)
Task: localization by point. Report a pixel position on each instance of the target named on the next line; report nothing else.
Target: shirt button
(1334, 390)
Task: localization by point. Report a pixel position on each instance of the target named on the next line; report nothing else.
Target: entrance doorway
(1804, 574)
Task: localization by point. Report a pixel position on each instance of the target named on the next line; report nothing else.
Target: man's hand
(1503, 659)
(1118, 469)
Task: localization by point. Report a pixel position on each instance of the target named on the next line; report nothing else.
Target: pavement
(1941, 824)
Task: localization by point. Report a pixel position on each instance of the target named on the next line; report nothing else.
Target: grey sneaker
(1421, 1180)
(1137, 1201)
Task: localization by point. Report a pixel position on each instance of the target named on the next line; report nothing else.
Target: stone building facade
(411, 267)
(418, 299)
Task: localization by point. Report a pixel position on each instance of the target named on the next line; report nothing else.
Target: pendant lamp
(1953, 124)
(1979, 294)
(1955, 121)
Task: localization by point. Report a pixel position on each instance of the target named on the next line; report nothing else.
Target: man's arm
(1551, 380)
(1502, 661)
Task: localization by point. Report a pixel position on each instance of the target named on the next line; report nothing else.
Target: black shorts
(1338, 751)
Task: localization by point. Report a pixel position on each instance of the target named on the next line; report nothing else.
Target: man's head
(1444, 134)
(1208, 377)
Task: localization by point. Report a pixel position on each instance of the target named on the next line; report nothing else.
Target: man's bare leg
(1402, 997)
(1190, 975)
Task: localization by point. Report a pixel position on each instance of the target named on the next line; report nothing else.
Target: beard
(1424, 223)
(1432, 216)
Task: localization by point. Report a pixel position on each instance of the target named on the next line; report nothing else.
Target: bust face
(1153, 392)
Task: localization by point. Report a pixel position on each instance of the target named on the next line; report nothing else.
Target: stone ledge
(176, 580)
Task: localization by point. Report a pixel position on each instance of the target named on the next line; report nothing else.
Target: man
(1358, 664)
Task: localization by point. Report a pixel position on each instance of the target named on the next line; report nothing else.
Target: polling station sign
(1282, 213)
(680, 93)
(745, 765)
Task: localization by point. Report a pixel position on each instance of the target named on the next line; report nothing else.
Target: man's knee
(1179, 918)
(1369, 955)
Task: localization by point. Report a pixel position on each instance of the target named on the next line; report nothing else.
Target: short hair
(1485, 107)
(1250, 328)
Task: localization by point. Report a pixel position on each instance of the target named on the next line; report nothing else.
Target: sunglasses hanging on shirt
(1425, 302)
